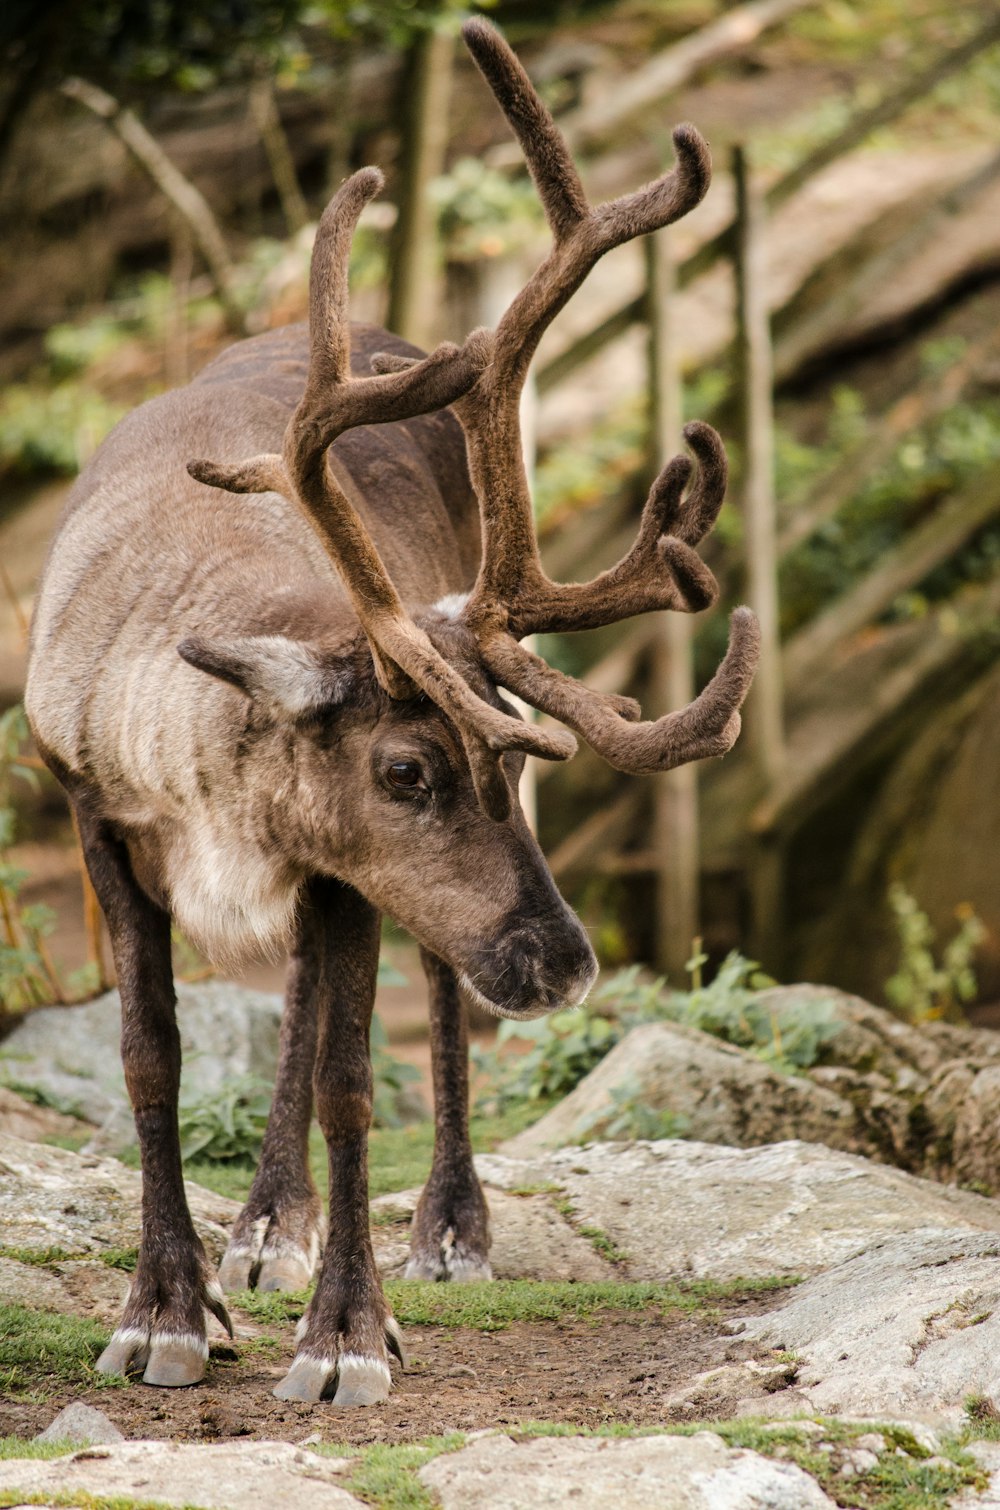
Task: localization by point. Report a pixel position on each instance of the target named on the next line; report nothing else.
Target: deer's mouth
(534, 998)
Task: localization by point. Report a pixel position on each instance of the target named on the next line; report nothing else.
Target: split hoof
(176, 1361)
(448, 1261)
(347, 1380)
(361, 1381)
(264, 1258)
(126, 1353)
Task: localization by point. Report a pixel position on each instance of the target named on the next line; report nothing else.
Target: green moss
(38, 1347)
(603, 1244)
(113, 1258)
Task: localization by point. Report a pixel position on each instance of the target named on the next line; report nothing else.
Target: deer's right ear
(270, 668)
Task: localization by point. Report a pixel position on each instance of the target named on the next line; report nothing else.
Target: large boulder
(70, 1057)
(676, 1209)
(910, 1327)
(648, 1473)
(925, 1099)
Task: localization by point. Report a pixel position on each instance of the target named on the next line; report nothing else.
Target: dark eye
(404, 773)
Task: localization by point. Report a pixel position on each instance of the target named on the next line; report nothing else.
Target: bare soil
(614, 1367)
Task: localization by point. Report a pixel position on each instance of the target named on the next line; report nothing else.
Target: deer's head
(431, 830)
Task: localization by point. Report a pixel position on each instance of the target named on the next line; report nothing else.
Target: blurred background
(831, 307)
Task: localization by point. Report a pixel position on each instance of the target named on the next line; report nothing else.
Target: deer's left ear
(288, 674)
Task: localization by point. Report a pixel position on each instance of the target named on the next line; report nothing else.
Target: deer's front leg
(451, 1232)
(278, 1236)
(162, 1330)
(348, 1332)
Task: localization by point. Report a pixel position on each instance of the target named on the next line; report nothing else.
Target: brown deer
(278, 716)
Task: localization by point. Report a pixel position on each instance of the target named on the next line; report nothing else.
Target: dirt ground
(612, 1367)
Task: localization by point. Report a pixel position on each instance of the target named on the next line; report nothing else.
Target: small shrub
(924, 988)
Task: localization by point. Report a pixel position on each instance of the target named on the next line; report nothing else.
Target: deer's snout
(533, 967)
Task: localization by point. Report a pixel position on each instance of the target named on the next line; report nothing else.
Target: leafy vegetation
(27, 973)
(923, 987)
(565, 1047)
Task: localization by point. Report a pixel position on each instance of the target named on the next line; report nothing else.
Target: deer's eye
(405, 774)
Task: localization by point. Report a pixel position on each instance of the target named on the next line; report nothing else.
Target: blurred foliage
(26, 972)
(229, 1124)
(924, 987)
(545, 1058)
(484, 213)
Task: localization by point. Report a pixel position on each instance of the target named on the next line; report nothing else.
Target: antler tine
(708, 726)
(542, 143)
(660, 571)
(490, 410)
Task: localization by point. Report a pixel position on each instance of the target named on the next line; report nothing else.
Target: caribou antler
(333, 401)
(512, 596)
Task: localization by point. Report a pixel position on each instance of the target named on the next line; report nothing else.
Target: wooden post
(765, 710)
(412, 297)
(675, 793)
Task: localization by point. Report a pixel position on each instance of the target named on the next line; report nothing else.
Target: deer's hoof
(347, 1379)
(176, 1361)
(262, 1257)
(167, 1359)
(448, 1260)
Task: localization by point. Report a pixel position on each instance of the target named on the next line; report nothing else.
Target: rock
(645, 1473)
(73, 1287)
(71, 1054)
(694, 1209)
(910, 1327)
(720, 1093)
(923, 1099)
(85, 1205)
(976, 1137)
(26, 1119)
(987, 1455)
(227, 1476)
(80, 1424)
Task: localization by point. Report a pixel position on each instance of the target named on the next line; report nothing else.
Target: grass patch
(37, 1347)
(112, 1258)
(491, 1305)
(386, 1475)
(24, 1447)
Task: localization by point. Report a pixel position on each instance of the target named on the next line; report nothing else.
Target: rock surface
(909, 1328)
(86, 1205)
(72, 1056)
(647, 1473)
(229, 1476)
(693, 1209)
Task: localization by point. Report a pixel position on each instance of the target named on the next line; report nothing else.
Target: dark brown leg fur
(348, 1332)
(162, 1330)
(451, 1237)
(278, 1236)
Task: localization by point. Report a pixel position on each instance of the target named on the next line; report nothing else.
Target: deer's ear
(271, 668)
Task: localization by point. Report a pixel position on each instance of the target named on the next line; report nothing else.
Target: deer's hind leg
(451, 1230)
(162, 1330)
(278, 1237)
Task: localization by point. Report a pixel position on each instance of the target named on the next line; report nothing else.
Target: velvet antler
(512, 596)
(333, 401)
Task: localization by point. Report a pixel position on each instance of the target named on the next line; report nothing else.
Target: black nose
(534, 967)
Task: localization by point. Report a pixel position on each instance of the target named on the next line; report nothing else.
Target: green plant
(391, 1076)
(27, 975)
(229, 1124)
(563, 1048)
(924, 988)
(626, 1115)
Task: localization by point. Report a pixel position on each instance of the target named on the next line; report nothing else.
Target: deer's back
(145, 556)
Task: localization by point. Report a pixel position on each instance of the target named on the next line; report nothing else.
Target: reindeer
(278, 717)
